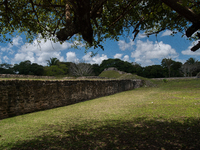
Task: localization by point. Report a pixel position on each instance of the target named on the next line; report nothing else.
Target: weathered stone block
(24, 96)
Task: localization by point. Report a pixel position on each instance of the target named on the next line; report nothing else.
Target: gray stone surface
(24, 96)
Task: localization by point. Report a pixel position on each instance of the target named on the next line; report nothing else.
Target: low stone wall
(24, 96)
(175, 78)
(91, 77)
(25, 76)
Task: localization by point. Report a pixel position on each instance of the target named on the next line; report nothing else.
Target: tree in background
(23, 67)
(53, 71)
(27, 68)
(154, 71)
(167, 63)
(190, 66)
(36, 69)
(138, 68)
(59, 69)
(81, 69)
(94, 21)
(52, 61)
(6, 69)
(172, 67)
(119, 64)
(96, 69)
(176, 69)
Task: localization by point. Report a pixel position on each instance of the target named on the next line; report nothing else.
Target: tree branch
(189, 15)
(196, 47)
(95, 10)
(52, 5)
(182, 10)
(126, 9)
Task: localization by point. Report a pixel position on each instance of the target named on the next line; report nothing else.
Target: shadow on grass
(114, 134)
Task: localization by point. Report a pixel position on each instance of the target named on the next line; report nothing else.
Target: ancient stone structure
(19, 97)
(25, 76)
(115, 69)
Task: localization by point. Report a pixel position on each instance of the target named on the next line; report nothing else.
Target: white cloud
(189, 52)
(24, 56)
(17, 41)
(126, 58)
(141, 36)
(48, 46)
(118, 56)
(97, 59)
(146, 51)
(123, 45)
(166, 33)
(5, 58)
(43, 57)
(38, 52)
(71, 57)
(180, 60)
(8, 49)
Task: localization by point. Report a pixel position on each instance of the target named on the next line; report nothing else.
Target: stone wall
(25, 76)
(24, 96)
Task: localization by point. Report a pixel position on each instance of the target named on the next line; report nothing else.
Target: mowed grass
(162, 117)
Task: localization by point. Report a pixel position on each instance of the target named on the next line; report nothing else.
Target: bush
(165, 80)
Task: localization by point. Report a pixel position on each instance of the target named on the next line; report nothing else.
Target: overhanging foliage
(94, 21)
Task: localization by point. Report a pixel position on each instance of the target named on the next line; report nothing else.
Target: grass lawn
(162, 117)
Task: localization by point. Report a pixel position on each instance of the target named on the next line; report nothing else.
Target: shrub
(165, 80)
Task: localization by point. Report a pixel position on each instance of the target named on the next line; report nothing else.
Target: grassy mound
(116, 75)
(110, 74)
(163, 117)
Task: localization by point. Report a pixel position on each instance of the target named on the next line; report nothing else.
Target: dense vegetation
(161, 117)
(94, 21)
(168, 68)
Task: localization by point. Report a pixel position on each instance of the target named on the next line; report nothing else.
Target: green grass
(117, 75)
(162, 117)
(110, 74)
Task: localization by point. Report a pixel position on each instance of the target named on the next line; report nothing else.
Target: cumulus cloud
(124, 46)
(189, 52)
(16, 41)
(38, 51)
(44, 46)
(5, 58)
(146, 51)
(8, 49)
(166, 33)
(141, 36)
(119, 56)
(126, 58)
(97, 59)
(24, 56)
(71, 57)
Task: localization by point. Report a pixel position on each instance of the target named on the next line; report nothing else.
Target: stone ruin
(115, 69)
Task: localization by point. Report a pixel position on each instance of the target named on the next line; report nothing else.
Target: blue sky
(145, 51)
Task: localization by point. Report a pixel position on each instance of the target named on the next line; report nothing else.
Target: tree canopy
(52, 61)
(168, 68)
(94, 21)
